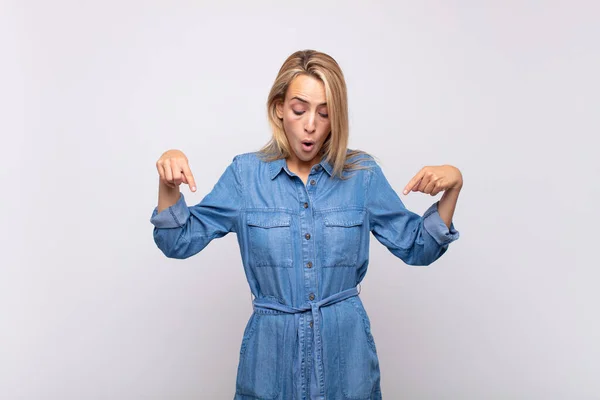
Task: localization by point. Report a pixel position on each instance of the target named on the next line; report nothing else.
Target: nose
(309, 124)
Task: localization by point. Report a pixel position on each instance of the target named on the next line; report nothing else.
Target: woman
(302, 208)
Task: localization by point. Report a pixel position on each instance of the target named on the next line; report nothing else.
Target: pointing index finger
(190, 177)
(411, 184)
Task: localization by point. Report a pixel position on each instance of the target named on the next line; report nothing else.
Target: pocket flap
(268, 219)
(344, 218)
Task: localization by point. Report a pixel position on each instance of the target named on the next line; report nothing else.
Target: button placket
(310, 277)
(306, 225)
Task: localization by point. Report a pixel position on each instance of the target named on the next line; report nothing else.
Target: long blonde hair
(324, 68)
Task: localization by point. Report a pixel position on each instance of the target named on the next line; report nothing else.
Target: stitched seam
(334, 209)
(367, 191)
(286, 210)
(239, 187)
(175, 217)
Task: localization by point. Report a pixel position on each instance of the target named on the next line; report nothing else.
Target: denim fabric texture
(304, 249)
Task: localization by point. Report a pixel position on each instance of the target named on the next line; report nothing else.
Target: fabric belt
(314, 308)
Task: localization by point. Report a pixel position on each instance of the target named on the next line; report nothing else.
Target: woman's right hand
(173, 169)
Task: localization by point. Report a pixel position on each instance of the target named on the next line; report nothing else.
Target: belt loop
(359, 287)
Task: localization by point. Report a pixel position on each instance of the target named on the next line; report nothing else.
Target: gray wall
(93, 93)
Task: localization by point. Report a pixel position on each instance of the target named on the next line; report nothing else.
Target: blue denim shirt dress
(304, 249)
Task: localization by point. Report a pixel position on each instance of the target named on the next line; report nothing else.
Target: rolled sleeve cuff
(172, 217)
(436, 227)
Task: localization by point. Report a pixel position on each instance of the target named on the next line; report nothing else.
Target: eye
(298, 112)
(324, 115)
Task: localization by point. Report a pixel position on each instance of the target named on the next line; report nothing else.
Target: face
(305, 119)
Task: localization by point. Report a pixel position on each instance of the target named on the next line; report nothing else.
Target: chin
(304, 157)
(308, 156)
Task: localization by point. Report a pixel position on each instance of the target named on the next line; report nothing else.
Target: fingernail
(193, 188)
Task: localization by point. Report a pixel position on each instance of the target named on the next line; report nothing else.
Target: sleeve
(181, 231)
(414, 239)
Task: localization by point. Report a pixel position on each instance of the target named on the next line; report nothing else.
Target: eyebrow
(306, 102)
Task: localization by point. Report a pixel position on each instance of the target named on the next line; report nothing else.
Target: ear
(279, 109)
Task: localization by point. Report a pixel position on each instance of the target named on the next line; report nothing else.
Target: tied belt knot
(314, 308)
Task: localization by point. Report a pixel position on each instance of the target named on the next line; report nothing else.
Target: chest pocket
(269, 239)
(342, 232)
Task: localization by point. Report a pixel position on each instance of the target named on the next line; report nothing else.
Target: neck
(296, 165)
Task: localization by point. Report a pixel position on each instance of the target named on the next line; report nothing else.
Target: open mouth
(307, 145)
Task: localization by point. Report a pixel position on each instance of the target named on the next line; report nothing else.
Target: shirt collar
(276, 166)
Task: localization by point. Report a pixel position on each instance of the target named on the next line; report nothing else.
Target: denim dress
(304, 249)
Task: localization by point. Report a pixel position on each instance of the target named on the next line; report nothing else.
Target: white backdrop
(92, 93)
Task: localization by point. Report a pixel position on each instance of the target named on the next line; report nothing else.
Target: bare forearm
(167, 196)
(447, 204)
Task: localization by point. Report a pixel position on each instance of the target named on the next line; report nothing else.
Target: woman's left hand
(435, 179)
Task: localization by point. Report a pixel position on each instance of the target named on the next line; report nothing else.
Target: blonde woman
(303, 208)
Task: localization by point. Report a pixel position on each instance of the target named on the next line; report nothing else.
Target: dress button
(311, 297)
(312, 182)
(305, 205)
(307, 236)
(311, 324)
(318, 167)
(309, 264)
